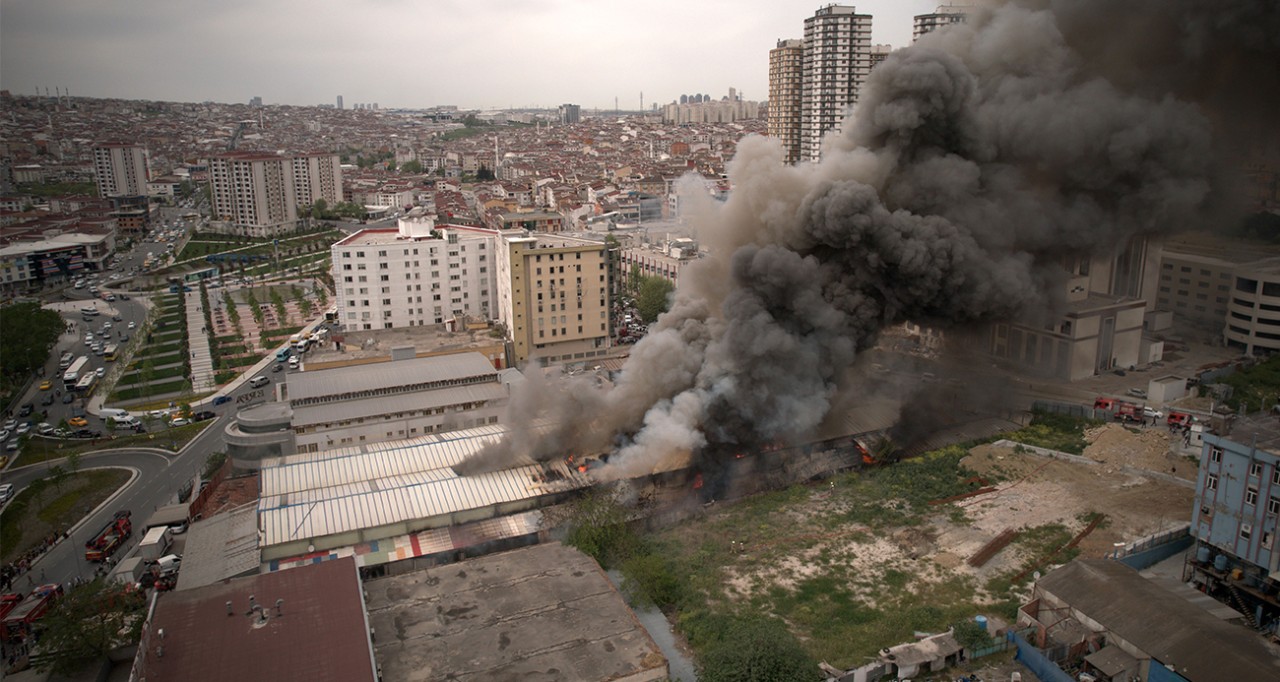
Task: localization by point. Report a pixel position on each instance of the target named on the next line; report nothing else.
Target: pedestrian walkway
(202, 371)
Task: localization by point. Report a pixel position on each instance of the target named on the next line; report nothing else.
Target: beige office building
(317, 176)
(837, 59)
(253, 194)
(553, 296)
(944, 16)
(786, 85)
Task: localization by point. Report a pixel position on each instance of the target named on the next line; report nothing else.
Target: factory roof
(202, 641)
(313, 495)
(1175, 632)
(539, 612)
(389, 375)
(220, 547)
(325, 413)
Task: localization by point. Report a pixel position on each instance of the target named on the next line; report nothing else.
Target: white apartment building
(553, 296)
(121, 169)
(837, 59)
(414, 275)
(945, 15)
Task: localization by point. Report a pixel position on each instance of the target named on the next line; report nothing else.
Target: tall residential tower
(786, 82)
(837, 59)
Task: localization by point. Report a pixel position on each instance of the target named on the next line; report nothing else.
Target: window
(1273, 505)
(1251, 496)
(1255, 469)
(1275, 476)
(1211, 482)
(1246, 531)
(1268, 538)
(1215, 453)
(1206, 512)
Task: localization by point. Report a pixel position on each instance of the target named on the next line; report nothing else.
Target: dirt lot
(852, 570)
(1043, 490)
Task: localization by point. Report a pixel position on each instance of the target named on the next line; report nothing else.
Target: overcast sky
(410, 53)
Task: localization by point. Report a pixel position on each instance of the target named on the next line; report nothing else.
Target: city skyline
(544, 53)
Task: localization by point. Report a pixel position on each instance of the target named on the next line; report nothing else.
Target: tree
(57, 476)
(89, 622)
(413, 167)
(756, 649)
(654, 298)
(484, 173)
(26, 336)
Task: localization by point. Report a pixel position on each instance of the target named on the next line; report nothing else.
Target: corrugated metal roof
(303, 385)
(315, 495)
(325, 413)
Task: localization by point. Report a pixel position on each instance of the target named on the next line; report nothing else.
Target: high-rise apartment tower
(837, 59)
(786, 84)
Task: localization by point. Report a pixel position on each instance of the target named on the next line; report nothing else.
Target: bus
(86, 384)
(72, 374)
(109, 353)
(282, 354)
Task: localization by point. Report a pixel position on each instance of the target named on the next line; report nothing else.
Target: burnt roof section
(319, 636)
(1170, 629)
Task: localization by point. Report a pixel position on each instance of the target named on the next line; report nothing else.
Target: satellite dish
(1036, 575)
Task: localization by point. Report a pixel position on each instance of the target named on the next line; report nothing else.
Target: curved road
(159, 475)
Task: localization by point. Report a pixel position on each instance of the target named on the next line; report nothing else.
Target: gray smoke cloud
(975, 163)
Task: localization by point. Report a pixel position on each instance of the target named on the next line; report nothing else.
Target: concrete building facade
(1253, 314)
(121, 169)
(786, 86)
(1102, 327)
(837, 59)
(404, 398)
(945, 15)
(253, 194)
(317, 176)
(553, 296)
(414, 275)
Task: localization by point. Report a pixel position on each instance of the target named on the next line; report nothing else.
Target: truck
(155, 543)
(72, 375)
(20, 622)
(1121, 410)
(110, 538)
(129, 571)
(1179, 419)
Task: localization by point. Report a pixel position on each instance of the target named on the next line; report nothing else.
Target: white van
(259, 381)
(89, 311)
(113, 413)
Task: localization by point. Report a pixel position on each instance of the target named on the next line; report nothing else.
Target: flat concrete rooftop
(545, 612)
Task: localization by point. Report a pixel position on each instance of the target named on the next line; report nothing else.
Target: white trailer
(155, 543)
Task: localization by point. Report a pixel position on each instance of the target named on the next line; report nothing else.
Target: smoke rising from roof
(977, 162)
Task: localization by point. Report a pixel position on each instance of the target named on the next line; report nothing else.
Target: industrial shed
(312, 502)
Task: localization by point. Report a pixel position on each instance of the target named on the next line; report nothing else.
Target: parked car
(78, 421)
(6, 491)
(221, 400)
(203, 415)
(180, 421)
(44, 428)
(1137, 393)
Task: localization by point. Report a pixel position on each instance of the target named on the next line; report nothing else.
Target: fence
(1036, 661)
(1144, 552)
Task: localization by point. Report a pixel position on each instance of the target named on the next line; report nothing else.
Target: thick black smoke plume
(977, 162)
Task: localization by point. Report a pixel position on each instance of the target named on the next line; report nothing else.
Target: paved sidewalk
(202, 372)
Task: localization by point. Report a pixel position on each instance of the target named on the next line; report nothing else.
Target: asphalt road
(159, 477)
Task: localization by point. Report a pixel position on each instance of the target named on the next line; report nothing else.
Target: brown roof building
(307, 623)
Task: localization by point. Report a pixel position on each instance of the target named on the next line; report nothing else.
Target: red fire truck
(110, 538)
(21, 619)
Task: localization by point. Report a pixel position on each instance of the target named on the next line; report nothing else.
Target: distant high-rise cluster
(339, 101)
(706, 109)
(814, 82)
(835, 58)
(945, 15)
(255, 102)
